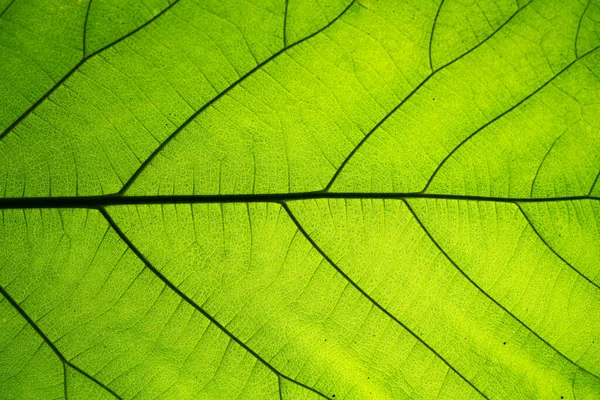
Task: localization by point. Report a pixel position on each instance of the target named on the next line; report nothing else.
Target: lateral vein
(409, 96)
(180, 128)
(539, 235)
(508, 111)
(486, 294)
(83, 60)
(373, 301)
(42, 335)
(195, 305)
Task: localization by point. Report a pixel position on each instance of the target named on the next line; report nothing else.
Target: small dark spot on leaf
(504, 342)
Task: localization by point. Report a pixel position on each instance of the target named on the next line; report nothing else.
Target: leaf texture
(289, 200)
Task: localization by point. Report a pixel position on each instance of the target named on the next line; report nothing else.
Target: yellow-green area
(299, 199)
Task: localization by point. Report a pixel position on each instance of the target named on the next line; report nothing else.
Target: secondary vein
(196, 306)
(85, 27)
(409, 96)
(83, 60)
(506, 112)
(6, 8)
(539, 235)
(42, 335)
(486, 294)
(180, 128)
(373, 301)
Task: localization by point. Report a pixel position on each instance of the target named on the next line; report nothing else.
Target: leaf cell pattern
(285, 199)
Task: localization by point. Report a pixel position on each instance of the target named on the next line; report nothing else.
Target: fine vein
(437, 14)
(85, 27)
(579, 27)
(279, 387)
(537, 173)
(285, 18)
(594, 184)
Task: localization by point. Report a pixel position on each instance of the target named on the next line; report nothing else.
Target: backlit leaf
(290, 199)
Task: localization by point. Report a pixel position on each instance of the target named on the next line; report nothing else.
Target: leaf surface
(286, 199)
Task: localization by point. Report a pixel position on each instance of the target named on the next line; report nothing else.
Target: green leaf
(290, 199)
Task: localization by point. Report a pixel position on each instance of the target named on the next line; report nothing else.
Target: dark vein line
(509, 110)
(85, 27)
(116, 200)
(40, 100)
(539, 235)
(366, 137)
(96, 381)
(579, 27)
(136, 30)
(543, 161)
(192, 303)
(65, 384)
(371, 299)
(279, 387)
(437, 14)
(285, 18)
(6, 8)
(423, 82)
(76, 67)
(463, 273)
(45, 338)
(157, 151)
(594, 184)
